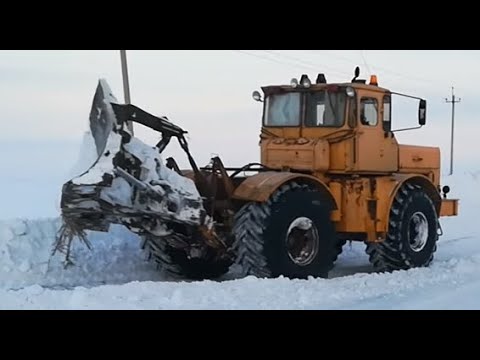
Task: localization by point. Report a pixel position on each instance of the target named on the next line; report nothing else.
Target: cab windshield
(323, 109)
(283, 109)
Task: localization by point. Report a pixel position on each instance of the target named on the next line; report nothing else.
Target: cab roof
(356, 85)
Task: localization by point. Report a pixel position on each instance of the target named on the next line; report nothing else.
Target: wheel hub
(418, 232)
(302, 241)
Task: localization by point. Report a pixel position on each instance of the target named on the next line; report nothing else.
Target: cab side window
(369, 112)
(387, 113)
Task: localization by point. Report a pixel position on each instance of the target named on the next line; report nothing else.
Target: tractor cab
(303, 109)
(335, 128)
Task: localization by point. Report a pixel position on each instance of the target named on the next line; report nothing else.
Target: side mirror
(257, 96)
(422, 112)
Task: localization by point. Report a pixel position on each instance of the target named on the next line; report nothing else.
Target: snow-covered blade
(128, 184)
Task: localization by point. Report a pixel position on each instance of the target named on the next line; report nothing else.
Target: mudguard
(259, 188)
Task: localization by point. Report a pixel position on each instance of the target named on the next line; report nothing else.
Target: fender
(260, 187)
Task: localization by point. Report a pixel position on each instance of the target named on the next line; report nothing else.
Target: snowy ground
(116, 276)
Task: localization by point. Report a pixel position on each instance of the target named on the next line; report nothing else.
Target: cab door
(376, 147)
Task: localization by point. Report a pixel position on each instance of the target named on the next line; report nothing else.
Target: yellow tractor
(331, 171)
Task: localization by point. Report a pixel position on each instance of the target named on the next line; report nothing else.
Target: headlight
(306, 83)
(350, 92)
(257, 96)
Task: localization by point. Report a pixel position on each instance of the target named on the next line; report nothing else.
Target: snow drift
(26, 257)
(453, 282)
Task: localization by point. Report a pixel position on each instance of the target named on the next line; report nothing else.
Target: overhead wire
(291, 61)
(365, 61)
(301, 63)
(268, 58)
(313, 65)
(384, 69)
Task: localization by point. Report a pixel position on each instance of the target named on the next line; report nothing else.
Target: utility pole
(126, 85)
(453, 101)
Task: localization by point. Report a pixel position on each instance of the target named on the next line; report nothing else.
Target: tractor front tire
(177, 265)
(290, 235)
(411, 241)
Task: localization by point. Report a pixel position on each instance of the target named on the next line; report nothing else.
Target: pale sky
(46, 98)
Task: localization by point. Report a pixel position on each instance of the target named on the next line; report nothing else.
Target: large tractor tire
(176, 263)
(339, 248)
(413, 233)
(290, 235)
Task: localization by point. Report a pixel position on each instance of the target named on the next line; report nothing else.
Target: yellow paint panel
(419, 157)
(449, 207)
(299, 154)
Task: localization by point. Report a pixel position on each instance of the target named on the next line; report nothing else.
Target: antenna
(357, 74)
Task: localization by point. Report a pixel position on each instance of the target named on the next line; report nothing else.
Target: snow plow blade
(130, 185)
(129, 179)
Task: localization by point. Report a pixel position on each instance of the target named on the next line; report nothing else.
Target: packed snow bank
(116, 276)
(435, 287)
(25, 257)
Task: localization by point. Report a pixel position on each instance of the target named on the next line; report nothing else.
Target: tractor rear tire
(176, 264)
(411, 241)
(290, 235)
(339, 248)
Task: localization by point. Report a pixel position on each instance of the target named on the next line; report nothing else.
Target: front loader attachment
(129, 184)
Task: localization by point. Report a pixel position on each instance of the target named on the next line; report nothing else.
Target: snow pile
(178, 189)
(25, 257)
(87, 156)
(92, 165)
(102, 165)
(433, 288)
(127, 183)
(26, 246)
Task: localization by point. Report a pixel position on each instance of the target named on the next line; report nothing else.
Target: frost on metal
(127, 184)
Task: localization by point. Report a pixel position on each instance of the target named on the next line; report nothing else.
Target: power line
(296, 62)
(306, 63)
(301, 63)
(291, 61)
(268, 58)
(386, 70)
(453, 101)
(365, 61)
